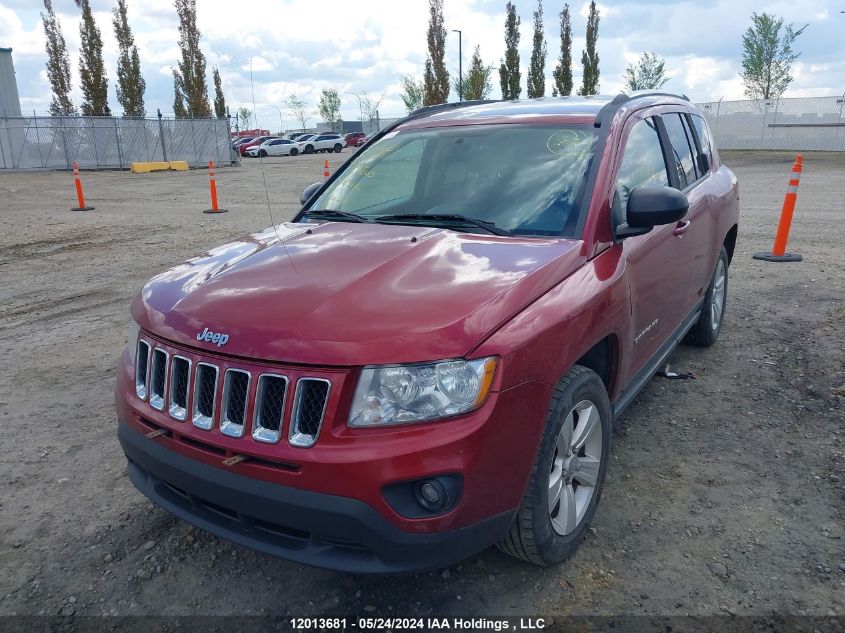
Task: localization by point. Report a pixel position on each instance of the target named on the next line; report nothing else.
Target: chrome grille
(180, 376)
(309, 407)
(205, 390)
(142, 365)
(235, 398)
(158, 378)
(269, 407)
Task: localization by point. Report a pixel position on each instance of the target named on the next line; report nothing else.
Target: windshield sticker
(562, 141)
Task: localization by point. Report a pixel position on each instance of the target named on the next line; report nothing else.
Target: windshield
(526, 179)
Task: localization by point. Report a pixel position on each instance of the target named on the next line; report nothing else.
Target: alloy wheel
(575, 467)
(717, 303)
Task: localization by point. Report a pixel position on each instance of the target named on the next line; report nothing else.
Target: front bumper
(308, 527)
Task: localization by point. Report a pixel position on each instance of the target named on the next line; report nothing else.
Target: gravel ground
(725, 493)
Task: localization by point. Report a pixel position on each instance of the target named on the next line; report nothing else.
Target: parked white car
(275, 147)
(329, 142)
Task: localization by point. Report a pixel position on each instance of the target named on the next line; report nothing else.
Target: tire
(263, 153)
(294, 151)
(545, 537)
(338, 147)
(706, 330)
(309, 149)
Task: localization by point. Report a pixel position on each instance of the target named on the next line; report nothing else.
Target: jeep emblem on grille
(218, 338)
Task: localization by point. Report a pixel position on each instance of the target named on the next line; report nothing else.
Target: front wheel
(338, 147)
(706, 330)
(568, 476)
(263, 153)
(309, 149)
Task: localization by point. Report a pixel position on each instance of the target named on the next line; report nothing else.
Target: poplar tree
(767, 56)
(329, 108)
(509, 75)
(58, 63)
(537, 69)
(192, 66)
(219, 99)
(179, 109)
(563, 71)
(412, 93)
(130, 83)
(477, 84)
(92, 71)
(590, 57)
(436, 79)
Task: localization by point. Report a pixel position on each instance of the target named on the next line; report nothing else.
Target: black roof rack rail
(441, 107)
(609, 109)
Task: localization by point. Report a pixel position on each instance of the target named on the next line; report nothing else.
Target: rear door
(692, 178)
(657, 264)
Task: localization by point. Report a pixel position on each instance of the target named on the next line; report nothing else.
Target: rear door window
(682, 149)
(704, 140)
(642, 161)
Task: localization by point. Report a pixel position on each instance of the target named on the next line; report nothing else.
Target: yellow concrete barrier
(145, 168)
(179, 165)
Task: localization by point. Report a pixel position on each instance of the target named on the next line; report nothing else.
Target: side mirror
(309, 191)
(650, 206)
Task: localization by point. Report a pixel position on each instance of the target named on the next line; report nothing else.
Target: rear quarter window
(683, 149)
(704, 139)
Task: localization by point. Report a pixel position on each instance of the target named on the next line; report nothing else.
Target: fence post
(161, 136)
(38, 138)
(841, 101)
(64, 142)
(2, 151)
(775, 120)
(716, 124)
(94, 141)
(117, 141)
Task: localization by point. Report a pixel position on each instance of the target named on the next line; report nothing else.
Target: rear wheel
(338, 147)
(294, 151)
(706, 330)
(568, 476)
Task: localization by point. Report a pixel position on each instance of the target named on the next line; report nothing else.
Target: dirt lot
(725, 494)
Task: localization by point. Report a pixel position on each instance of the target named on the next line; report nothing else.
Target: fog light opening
(432, 495)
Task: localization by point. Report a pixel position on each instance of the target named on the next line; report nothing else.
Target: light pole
(281, 123)
(460, 69)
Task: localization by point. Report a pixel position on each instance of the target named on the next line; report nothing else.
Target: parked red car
(429, 358)
(354, 139)
(258, 140)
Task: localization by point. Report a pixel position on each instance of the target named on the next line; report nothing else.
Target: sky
(303, 46)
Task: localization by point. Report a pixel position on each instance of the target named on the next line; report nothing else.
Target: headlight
(401, 394)
(132, 341)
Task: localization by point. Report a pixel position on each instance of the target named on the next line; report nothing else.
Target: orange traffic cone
(80, 197)
(212, 184)
(779, 253)
(326, 169)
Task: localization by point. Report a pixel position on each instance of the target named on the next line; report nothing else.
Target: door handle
(681, 227)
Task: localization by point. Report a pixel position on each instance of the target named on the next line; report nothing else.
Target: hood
(352, 294)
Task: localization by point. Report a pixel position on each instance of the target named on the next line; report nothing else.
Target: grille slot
(309, 407)
(235, 399)
(142, 366)
(269, 407)
(180, 376)
(205, 392)
(158, 378)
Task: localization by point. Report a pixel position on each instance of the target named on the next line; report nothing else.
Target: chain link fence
(47, 142)
(800, 124)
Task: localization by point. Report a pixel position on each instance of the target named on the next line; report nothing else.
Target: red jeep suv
(428, 358)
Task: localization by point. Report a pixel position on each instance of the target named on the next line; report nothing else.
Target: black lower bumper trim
(313, 528)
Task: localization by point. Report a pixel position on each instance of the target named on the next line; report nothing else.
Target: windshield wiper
(442, 218)
(334, 214)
